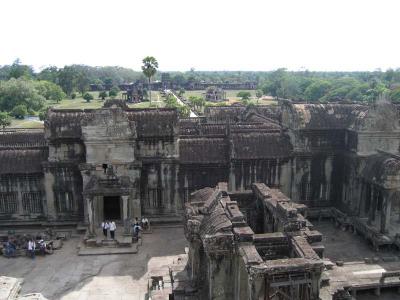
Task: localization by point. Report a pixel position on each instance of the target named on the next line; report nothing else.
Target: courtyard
(65, 275)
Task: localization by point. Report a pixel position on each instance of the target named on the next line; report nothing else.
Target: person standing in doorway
(113, 227)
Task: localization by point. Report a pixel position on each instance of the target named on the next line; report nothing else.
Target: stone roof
(64, 123)
(259, 145)
(201, 195)
(15, 139)
(149, 122)
(203, 150)
(22, 161)
(219, 113)
(155, 122)
(381, 116)
(323, 116)
(243, 113)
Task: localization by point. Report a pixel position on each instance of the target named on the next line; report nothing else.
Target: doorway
(112, 207)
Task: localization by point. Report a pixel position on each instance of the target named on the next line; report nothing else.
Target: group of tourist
(137, 226)
(109, 226)
(31, 245)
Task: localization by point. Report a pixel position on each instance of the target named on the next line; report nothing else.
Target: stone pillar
(258, 288)
(90, 210)
(50, 199)
(232, 178)
(315, 281)
(20, 206)
(385, 212)
(136, 208)
(125, 213)
(372, 207)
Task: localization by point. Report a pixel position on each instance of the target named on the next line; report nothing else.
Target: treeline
(73, 78)
(307, 85)
(332, 86)
(24, 91)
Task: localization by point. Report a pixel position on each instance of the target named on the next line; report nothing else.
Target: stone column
(125, 213)
(136, 208)
(232, 178)
(385, 212)
(90, 210)
(372, 207)
(50, 199)
(315, 281)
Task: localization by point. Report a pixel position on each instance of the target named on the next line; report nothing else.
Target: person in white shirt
(105, 226)
(145, 223)
(31, 248)
(113, 227)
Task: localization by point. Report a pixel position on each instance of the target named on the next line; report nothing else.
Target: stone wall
(314, 153)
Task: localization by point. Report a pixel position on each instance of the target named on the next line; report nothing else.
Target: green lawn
(80, 103)
(16, 123)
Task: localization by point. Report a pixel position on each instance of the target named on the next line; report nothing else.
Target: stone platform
(101, 245)
(133, 249)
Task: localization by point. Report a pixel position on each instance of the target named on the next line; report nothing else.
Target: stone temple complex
(244, 180)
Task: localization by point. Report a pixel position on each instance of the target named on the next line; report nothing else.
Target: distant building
(215, 94)
(133, 93)
(165, 80)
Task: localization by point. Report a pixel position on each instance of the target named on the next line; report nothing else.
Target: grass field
(15, 123)
(80, 103)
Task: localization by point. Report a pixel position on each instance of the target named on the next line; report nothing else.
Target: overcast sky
(203, 34)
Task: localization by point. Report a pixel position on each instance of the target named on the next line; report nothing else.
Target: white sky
(204, 34)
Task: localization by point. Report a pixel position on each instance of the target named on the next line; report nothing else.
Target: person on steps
(105, 226)
(113, 227)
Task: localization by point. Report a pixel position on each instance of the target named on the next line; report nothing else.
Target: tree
(67, 78)
(5, 119)
(42, 115)
(259, 93)
(82, 82)
(184, 111)
(49, 74)
(19, 111)
(18, 70)
(20, 91)
(113, 92)
(103, 95)
(108, 82)
(197, 102)
(88, 97)
(395, 95)
(316, 90)
(149, 69)
(50, 90)
(181, 92)
(244, 95)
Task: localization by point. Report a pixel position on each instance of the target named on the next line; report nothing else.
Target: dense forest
(22, 90)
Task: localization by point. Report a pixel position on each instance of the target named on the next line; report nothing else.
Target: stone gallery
(243, 179)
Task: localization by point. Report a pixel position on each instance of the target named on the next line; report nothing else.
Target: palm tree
(149, 69)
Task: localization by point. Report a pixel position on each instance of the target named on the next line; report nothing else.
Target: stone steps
(109, 243)
(161, 220)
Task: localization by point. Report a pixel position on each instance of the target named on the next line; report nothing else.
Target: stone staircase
(109, 243)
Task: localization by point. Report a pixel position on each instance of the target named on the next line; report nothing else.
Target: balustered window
(32, 202)
(8, 203)
(65, 202)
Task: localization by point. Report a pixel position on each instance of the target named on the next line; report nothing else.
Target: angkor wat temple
(120, 163)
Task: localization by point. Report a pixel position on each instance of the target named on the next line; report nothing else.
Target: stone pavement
(64, 275)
